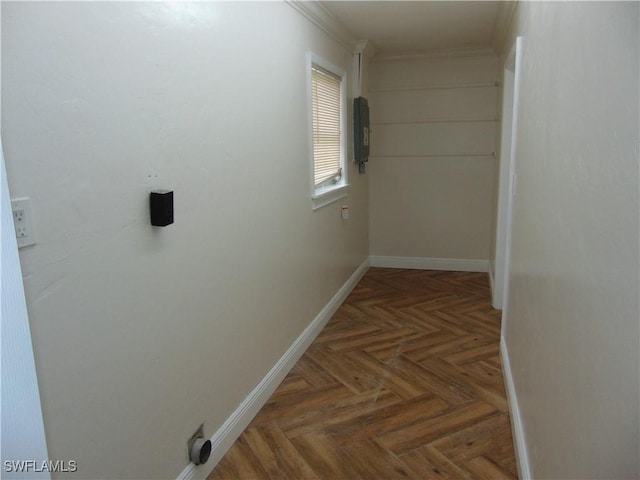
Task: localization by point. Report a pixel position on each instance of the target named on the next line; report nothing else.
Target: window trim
(326, 194)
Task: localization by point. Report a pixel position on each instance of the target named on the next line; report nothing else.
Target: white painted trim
(326, 21)
(492, 285)
(513, 178)
(422, 263)
(503, 22)
(520, 445)
(233, 427)
(442, 52)
(329, 196)
(507, 175)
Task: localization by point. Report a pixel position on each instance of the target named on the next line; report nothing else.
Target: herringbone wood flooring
(405, 381)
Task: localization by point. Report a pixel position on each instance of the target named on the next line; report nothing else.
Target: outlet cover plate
(23, 221)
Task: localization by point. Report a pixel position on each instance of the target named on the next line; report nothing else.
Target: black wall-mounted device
(161, 207)
(361, 130)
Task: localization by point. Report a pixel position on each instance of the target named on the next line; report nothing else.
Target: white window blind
(325, 98)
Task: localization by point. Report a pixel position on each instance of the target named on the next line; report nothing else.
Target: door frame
(507, 176)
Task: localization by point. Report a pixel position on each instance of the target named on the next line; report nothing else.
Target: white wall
(433, 135)
(140, 334)
(572, 323)
(20, 411)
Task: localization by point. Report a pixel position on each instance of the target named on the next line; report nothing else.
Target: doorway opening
(507, 177)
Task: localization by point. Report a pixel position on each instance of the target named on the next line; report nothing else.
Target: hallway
(104, 103)
(404, 382)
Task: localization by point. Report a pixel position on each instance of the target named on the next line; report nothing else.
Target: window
(328, 100)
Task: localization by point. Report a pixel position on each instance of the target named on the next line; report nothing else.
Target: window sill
(326, 196)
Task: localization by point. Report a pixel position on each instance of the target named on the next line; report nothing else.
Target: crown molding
(502, 25)
(326, 21)
(444, 52)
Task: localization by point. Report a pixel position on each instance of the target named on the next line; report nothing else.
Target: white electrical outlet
(22, 221)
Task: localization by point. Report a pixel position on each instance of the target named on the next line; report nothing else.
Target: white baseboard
(232, 428)
(423, 263)
(522, 455)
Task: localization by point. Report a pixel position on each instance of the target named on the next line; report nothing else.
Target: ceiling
(408, 27)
